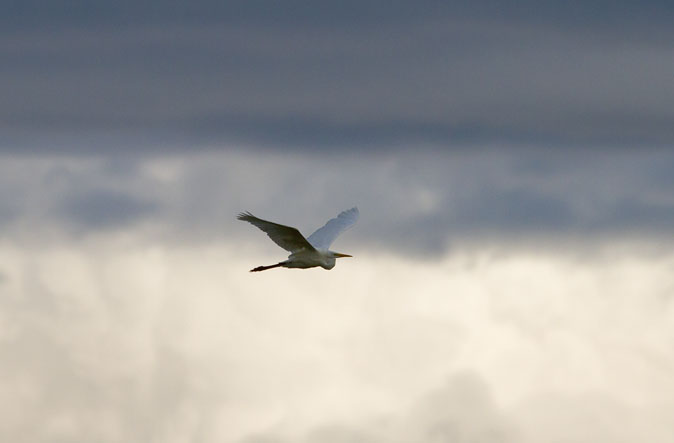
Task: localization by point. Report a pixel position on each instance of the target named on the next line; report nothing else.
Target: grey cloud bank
(309, 77)
(421, 203)
(97, 209)
(302, 12)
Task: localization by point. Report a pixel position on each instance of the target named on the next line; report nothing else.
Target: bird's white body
(308, 252)
(310, 259)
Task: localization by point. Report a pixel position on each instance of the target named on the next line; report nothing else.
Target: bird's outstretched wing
(323, 237)
(286, 237)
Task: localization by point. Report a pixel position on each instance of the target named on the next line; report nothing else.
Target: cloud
(419, 204)
(303, 12)
(81, 362)
(7, 212)
(462, 411)
(120, 339)
(101, 208)
(403, 76)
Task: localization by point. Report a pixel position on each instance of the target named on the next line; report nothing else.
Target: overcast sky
(512, 279)
(299, 74)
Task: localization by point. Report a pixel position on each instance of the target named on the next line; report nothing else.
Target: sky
(512, 278)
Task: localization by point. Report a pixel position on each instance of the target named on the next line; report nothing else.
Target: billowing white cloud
(123, 340)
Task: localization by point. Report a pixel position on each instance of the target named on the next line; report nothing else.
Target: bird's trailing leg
(264, 268)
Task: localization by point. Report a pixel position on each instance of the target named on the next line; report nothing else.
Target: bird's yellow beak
(338, 255)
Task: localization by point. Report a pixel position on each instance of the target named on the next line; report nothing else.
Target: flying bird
(307, 252)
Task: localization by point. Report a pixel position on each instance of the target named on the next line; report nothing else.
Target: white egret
(305, 252)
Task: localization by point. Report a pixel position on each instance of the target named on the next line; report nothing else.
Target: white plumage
(305, 252)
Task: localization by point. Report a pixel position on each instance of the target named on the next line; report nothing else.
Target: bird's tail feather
(264, 268)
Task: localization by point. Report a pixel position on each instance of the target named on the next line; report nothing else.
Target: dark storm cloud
(302, 74)
(295, 12)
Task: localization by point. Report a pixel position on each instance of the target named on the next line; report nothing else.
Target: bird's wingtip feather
(244, 215)
(353, 211)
